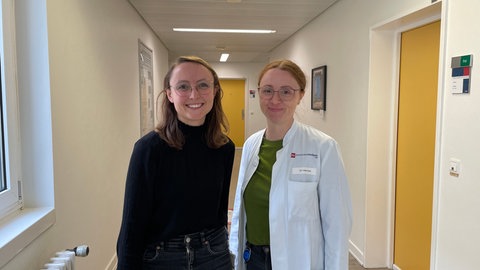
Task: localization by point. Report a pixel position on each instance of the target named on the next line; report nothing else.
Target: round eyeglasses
(184, 89)
(285, 93)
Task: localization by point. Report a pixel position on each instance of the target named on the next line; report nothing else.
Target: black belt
(193, 240)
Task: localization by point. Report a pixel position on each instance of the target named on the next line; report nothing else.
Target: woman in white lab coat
(292, 204)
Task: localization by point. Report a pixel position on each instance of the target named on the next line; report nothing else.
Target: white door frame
(381, 135)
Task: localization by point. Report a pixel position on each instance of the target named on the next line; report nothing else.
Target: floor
(353, 263)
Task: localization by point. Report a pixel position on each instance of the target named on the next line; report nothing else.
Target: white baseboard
(112, 265)
(356, 253)
(396, 267)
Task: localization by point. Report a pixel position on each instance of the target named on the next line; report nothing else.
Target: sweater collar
(191, 130)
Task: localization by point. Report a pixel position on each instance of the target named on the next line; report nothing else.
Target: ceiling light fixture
(224, 57)
(235, 31)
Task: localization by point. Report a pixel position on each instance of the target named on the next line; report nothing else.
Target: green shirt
(256, 195)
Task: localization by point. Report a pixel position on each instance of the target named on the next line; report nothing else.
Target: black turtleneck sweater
(171, 192)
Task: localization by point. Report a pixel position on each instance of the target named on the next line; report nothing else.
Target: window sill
(21, 228)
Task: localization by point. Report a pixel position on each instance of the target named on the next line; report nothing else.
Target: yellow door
(416, 146)
(233, 103)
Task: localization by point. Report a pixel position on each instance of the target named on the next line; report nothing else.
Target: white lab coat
(310, 205)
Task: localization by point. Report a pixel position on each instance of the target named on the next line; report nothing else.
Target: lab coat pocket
(302, 200)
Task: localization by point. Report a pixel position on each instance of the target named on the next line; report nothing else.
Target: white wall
(94, 79)
(458, 221)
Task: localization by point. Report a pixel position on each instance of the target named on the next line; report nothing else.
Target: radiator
(65, 260)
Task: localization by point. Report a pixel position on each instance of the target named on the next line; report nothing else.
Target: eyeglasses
(184, 89)
(285, 93)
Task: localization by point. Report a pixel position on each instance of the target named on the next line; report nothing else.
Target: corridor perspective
(78, 78)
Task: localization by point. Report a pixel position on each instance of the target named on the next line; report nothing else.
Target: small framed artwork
(147, 113)
(319, 88)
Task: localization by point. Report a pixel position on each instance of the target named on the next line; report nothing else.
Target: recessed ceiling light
(242, 31)
(224, 57)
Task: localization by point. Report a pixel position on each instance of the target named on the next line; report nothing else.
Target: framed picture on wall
(147, 116)
(319, 88)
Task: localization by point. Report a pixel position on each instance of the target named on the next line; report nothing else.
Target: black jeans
(199, 251)
(260, 258)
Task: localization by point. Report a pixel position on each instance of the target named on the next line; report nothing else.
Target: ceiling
(284, 16)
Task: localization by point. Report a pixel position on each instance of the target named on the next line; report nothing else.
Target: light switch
(454, 167)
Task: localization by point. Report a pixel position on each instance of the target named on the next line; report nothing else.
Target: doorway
(233, 103)
(416, 126)
(384, 69)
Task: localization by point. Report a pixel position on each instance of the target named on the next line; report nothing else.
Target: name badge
(304, 171)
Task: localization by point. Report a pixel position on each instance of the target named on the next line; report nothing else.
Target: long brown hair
(216, 121)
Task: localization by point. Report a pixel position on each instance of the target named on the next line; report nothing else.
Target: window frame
(30, 168)
(11, 198)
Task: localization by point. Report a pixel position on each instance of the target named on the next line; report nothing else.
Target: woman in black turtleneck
(176, 196)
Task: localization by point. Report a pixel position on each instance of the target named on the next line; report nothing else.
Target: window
(3, 178)
(10, 197)
(27, 157)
